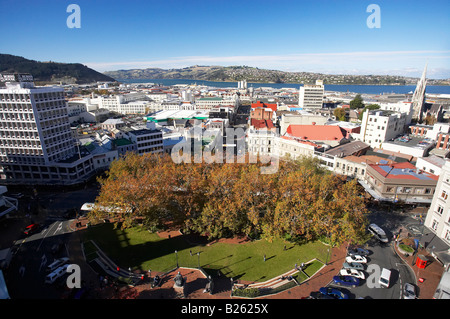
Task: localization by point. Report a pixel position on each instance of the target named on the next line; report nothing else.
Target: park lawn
(141, 250)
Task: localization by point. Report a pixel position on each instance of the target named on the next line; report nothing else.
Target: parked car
(31, 229)
(409, 291)
(356, 259)
(385, 278)
(357, 266)
(319, 295)
(57, 263)
(333, 292)
(352, 272)
(378, 232)
(346, 281)
(57, 273)
(358, 251)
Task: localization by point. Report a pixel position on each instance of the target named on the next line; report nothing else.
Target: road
(27, 271)
(384, 256)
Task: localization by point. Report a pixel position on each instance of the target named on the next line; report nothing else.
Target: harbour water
(363, 89)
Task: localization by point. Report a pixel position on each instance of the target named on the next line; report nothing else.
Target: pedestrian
(264, 257)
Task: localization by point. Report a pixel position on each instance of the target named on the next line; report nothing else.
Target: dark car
(319, 295)
(346, 281)
(31, 229)
(333, 292)
(358, 251)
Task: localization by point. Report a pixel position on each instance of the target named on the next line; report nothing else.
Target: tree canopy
(300, 201)
(357, 102)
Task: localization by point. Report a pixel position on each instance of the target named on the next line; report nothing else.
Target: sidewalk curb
(404, 261)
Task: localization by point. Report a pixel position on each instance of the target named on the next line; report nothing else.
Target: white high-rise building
(311, 96)
(36, 142)
(378, 126)
(438, 217)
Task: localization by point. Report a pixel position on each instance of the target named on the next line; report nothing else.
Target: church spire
(418, 98)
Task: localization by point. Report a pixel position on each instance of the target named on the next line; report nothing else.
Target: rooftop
(348, 149)
(412, 141)
(144, 131)
(262, 124)
(122, 142)
(404, 170)
(272, 106)
(316, 132)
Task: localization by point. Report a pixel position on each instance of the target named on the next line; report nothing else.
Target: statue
(179, 281)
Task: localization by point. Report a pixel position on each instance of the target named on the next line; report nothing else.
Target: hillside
(256, 75)
(51, 72)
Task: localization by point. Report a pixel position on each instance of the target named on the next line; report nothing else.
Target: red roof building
(329, 134)
(262, 124)
(400, 181)
(272, 106)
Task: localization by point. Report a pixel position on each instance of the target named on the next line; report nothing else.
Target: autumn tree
(340, 113)
(300, 200)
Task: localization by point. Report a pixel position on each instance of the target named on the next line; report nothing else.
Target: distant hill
(257, 75)
(51, 72)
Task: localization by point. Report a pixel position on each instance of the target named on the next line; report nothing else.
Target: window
(444, 195)
(447, 235)
(435, 224)
(440, 209)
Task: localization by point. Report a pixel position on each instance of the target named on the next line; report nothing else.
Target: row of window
(434, 226)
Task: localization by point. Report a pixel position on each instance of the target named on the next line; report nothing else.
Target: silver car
(409, 291)
(357, 266)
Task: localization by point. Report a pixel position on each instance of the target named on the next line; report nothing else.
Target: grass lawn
(142, 250)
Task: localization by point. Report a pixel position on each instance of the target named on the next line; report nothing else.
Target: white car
(356, 259)
(352, 272)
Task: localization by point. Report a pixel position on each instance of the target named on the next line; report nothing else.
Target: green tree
(357, 102)
(340, 113)
(368, 107)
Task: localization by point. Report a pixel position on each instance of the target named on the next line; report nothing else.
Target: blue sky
(329, 36)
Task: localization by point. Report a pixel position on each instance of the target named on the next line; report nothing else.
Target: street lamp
(176, 254)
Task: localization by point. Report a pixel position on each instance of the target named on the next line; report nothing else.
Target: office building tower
(311, 96)
(36, 142)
